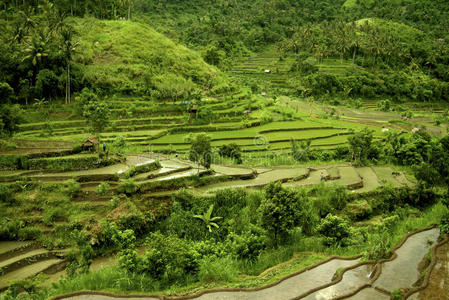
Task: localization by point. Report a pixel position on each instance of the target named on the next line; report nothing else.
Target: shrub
(29, 233)
(127, 187)
(71, 187)
(114, 202)
(120, 144)
(335, 229)
(169, 257)
(77, 149)
(55, 214)
(384, 105)
(232, 151)
(5, 195)
(246, 246)
(10, 230)
(7, 145)
(102, 189)
(135, 221)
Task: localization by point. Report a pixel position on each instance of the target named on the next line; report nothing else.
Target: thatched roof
(90, 142)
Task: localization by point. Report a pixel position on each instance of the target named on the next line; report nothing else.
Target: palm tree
(68, 48)
(207, 218)
(130, 3)
(35, 50)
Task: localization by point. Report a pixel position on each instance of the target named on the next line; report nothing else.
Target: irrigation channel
(340, 278)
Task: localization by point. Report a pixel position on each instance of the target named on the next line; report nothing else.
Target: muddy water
(99, 297)
(11, 245)
(313, 179)
(261, 180)
(403, 271)
(352, 279)
(369, 294)
(137, 160)
(438, 287)
(291, 287)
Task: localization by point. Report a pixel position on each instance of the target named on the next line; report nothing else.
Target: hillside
(285, 149)
(131, 58)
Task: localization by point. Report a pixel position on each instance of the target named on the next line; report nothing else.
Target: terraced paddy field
(152, 129)
(334, 278)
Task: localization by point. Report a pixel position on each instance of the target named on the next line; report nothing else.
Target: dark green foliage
(200, 150)
(83, 99)
(246, 246)
(384, 105)
(10, 117)
(102, 189)
(97, 115)
(301, 150)
(71, 188)
(329, 198)
(168, 258)
(444, 224)
(362, 148)
(81, 255)
(128, 186)
(6, 195)
(279, 210)
(232, 151)
(17, 230)
(335, 229)
(6, 92)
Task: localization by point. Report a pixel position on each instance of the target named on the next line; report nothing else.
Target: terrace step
(32, 256)
(11, 248)
(48, 266)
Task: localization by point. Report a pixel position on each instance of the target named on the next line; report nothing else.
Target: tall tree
(68, 48)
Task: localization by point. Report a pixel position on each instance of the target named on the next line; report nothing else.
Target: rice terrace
(221, 149)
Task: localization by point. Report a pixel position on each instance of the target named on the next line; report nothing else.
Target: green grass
(370, 180)
(385, 175)
(119, 54)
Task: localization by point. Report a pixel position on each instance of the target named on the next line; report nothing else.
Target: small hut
(90, 144)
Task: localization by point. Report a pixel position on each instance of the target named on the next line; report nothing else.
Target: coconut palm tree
(68, 48)
(207, 218)
(129, 3)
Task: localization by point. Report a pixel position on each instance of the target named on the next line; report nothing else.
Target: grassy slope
(122, 55)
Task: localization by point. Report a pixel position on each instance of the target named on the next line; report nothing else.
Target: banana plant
(207, 218)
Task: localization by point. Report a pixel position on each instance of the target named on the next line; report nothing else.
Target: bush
(9, 230)
(6, 195)
(232, 151)
(29, 233)
(169, 257)
(335, 229)
(384, 105)
(127, 187)
(71, 188)
(102, 189)
(7, 145)
(246, 246)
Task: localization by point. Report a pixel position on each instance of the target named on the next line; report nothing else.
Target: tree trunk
(129, 10)
(68, 78)
(353, 55)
